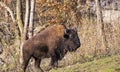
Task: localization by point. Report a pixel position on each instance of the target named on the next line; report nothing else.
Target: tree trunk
(26, 19)
(20, 24)
(100, 26)
(31, 18)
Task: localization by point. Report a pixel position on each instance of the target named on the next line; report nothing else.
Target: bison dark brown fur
(54, 42)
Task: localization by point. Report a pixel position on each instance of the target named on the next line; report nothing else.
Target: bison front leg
(37, 65)
(53, 63)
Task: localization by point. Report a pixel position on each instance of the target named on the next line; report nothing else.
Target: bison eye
(66, 36)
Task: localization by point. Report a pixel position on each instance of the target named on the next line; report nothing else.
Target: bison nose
(78, 44)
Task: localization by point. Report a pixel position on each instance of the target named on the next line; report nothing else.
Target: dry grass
(108, 64)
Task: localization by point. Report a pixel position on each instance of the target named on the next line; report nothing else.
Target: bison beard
(54, 42)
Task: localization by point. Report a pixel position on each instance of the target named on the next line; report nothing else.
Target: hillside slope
(108, 64)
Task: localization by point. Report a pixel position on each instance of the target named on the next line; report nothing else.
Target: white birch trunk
(20, 25)
(27, 13)
(31, 18)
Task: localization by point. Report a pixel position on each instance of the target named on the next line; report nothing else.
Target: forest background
(97, 22)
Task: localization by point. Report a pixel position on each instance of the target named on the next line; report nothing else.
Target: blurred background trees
(97, 22)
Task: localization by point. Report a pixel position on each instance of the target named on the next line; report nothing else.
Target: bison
(53, 42)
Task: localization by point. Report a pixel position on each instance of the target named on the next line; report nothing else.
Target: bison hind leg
(25, 61)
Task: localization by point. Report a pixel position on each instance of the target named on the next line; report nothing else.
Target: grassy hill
(107, 64)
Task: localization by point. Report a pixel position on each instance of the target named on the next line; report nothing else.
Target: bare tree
(31, 18)
(30, 5)
(27, 13)
(20, 24)
(100, 25)
(28, 23)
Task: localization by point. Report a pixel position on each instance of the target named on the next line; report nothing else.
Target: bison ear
(66, 33)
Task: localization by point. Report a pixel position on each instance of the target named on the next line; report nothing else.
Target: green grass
(108, 64)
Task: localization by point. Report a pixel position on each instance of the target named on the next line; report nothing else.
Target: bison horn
(65, 31)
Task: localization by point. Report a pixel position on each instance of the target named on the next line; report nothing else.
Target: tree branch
(9, 10)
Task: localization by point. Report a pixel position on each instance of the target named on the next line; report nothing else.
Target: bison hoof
(48, 68)
(38, 70)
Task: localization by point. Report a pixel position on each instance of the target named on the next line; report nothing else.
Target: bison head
(72, 41)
